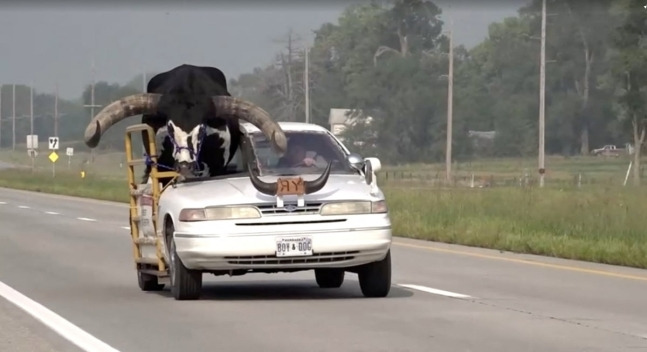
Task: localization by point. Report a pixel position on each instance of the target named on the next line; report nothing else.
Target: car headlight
(219, 213)
(349, 208)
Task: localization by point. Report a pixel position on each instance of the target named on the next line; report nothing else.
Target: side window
(238, 161)
(264, 153)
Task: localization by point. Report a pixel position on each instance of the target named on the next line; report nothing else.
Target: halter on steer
(178, 148)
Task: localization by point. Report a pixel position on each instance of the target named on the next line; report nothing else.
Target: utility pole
(13, 117)
(144, 81)
(450, 91)
(56, 111)
(31, 108)
(143, 147)
(542, 89)
(92, 105)
(286, 66)
(1, 86)
(307, 87)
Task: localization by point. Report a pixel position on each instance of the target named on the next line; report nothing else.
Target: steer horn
(226, 105)
(271, 188)
(144, 103)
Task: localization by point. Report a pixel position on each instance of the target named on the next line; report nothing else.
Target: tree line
(389, 61)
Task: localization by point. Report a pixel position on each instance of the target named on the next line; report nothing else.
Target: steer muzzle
(186, 169)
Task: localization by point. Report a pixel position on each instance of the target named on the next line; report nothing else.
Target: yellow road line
(523, 261)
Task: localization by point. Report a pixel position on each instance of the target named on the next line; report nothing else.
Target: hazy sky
(57, 42)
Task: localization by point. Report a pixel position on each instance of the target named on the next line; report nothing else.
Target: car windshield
(308, 153)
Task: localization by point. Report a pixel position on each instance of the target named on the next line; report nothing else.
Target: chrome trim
(195, 235)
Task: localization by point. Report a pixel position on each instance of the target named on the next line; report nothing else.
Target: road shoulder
(20, 332)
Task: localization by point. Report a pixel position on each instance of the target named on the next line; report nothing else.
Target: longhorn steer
(191, 109)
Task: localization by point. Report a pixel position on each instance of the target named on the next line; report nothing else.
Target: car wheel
(185, 284)
(329, 278)
(375, 278)
(148, 282)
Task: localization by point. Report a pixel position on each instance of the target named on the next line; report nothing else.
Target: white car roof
(287, 126)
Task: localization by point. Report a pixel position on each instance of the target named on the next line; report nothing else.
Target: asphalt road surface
(67, 283)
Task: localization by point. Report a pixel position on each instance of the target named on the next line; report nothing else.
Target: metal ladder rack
(154, 266)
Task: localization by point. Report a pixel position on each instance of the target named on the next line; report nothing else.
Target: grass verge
(65, 183)
(601, 224)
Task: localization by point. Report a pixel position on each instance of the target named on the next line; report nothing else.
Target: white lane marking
(23, 207)
(435, 291)
(54, 321)
(86, 219)
(3, 202)
(52, 213)
(126, 228)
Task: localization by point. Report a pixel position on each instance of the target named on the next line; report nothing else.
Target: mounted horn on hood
(271, 188)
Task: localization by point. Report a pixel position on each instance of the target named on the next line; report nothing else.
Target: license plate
(293, 246)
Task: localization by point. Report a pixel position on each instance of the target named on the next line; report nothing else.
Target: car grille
(329, 257)
(289, 208)
(272, 223)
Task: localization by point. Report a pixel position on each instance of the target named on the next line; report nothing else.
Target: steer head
(185, 146)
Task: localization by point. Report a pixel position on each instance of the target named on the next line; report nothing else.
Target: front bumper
(332, 248)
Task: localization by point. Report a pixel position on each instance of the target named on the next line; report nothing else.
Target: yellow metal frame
(141, 263)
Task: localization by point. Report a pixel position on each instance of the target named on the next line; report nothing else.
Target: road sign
(32, 141)
(53, 143)
(53, 157)
(69, 151)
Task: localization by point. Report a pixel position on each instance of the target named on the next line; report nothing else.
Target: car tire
(375, 278)
(148, 282)
(329, 278)
(185, 284)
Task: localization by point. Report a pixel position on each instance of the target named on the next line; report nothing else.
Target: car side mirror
(356, 161)
(376, 165)
(371, 166)
(368, 172)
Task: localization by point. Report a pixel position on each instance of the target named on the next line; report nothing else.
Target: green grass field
(599, 220)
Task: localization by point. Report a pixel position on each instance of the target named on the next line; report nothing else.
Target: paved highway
(67, 282)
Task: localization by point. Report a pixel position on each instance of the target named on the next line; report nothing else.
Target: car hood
(239, 190)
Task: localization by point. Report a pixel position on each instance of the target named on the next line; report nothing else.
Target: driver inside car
(297, 156)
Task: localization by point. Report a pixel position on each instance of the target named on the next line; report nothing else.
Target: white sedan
(321, 211)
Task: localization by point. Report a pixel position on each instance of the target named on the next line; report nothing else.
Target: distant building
(339, 120)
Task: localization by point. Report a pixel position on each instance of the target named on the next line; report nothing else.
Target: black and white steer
(196, 122)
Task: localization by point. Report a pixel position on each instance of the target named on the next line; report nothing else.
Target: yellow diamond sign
(53, 157)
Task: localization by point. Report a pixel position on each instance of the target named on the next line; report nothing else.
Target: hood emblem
(290, 208)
